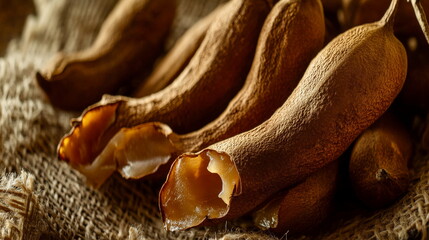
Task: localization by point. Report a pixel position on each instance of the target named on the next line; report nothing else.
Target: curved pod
(302, 208)
(283, 52)
(379, 160)
(346, 87)
(130, 39)
(199, 94)
(177, 58)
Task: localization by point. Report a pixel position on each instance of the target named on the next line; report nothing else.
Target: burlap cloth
(42, 198)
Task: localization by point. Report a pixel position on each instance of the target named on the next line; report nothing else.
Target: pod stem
(421, 17)
(389, 17)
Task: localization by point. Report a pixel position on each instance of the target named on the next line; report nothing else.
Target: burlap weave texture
(62, 206)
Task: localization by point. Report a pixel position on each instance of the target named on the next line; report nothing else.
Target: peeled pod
(213, 76)
(284, 51)
(347, 86)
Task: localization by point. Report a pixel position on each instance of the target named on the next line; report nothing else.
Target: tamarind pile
(200, 92)
(253, 110)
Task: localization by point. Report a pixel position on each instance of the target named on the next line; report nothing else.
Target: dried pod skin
(366, 11)
(130, 39)
(199, 94)
(176, 59)
(277, 67)
(283, 53)
(340, 95)
(379, 162)
(301, 208)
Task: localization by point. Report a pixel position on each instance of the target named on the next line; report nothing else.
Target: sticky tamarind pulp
(284, 51)
(379, 162)
(347, 86)
(199, 94)
(130, 39)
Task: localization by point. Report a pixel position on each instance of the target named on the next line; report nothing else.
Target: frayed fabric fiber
(43, 198)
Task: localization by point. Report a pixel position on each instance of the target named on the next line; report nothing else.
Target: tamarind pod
(378, 165)
(366, 11)
(283, 52)
(130, 39)
(199, 94)
(301, 208)
(176, 59)
(346, 87)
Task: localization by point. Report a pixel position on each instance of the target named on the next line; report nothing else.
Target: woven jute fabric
(19, 208)
(43, 198)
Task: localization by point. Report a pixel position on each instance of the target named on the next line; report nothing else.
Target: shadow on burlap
(49, 200)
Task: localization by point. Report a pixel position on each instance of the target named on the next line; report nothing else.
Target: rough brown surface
(129, 41)
(176, 59)
(283, 53)
(379, 160)
(304, 207)
(30, 129)
(204, 88)
(339, 96)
